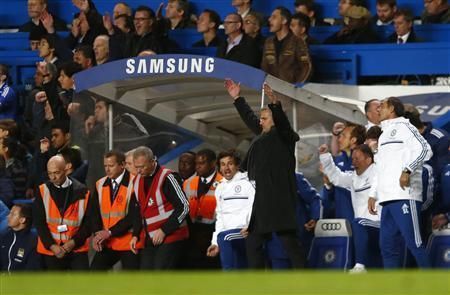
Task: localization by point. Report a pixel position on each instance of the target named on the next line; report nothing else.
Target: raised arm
(334, 174)
(279, 117)
(246, 113)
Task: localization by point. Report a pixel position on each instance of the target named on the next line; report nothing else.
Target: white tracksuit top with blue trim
(400, 146)
(359, 186)
(234, 199)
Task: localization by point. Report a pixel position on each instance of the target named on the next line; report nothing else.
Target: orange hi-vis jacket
(156, 209)
(73, 216)
(113, 213)
(202, 209)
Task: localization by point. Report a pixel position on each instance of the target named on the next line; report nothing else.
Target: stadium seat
(439, 248)
(332, 245)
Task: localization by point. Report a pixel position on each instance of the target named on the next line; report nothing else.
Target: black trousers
(256, 254)
(199, 240)
(72, 261)
(162, 257)
(106, 259)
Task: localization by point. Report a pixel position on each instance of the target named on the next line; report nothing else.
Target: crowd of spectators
(44, 139)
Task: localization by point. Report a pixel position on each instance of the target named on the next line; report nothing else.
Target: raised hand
(337, 128)
(323, 149)
(107, 23)
(47, 22)
(233, 89)
(269, 92)
(159, 11)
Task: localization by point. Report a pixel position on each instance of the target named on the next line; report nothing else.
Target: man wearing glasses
(238, 47)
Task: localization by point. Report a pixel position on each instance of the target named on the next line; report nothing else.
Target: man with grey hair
(164, 208)
(101, 49)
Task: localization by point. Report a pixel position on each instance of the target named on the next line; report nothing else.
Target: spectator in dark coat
(299, 25)
(148, 35)
(270, 162)
(36, 10)
(436, 12)
(14, 154)
(239, 47)
(307, 8)
(253, 23)
(356, 30)
(18, 244)
(86, 25)
(6, 185)
(403, 24)
(208, 23)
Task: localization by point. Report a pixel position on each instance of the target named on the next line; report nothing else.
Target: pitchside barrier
(439, 247)
(332, 245)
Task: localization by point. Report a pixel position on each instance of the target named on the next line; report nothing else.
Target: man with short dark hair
(200, 191)
(299, 25)
(436, 12)
(118, 218)
(234, 197)
(398, 189)
(84, 55)
(186, 165)
(18, 245)
(238, 47)
(371, 109)
(285, 56)
(270, 162)
(404, 31)
(145, 37)
(385, 12)
(177, 15)
(307, 8)
(208, 23)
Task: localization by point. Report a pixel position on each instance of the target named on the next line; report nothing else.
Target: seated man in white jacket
(234, 197)
(365, 226)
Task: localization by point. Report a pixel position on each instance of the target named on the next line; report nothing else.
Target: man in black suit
(403, 24)
(238, 46)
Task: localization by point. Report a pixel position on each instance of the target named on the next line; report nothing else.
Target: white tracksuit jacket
(400, 146)
(359, 186)
(234, 199)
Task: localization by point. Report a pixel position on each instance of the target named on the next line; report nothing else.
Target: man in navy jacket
(18, 245)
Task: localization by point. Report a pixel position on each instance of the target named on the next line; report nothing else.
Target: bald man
(61, 216)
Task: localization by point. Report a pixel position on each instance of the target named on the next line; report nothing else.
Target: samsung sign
(167, 65)
(170, 66)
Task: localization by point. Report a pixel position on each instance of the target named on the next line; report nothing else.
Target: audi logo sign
(331, 226)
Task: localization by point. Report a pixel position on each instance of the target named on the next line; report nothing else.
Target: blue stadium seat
(332, 245)
(439, 248)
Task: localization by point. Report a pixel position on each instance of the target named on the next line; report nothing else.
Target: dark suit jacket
(245, 52)
(412, 38)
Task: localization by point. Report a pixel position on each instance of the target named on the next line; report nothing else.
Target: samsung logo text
(170, 66)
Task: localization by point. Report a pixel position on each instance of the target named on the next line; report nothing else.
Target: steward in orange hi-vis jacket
(62, 213)
(118, 219)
